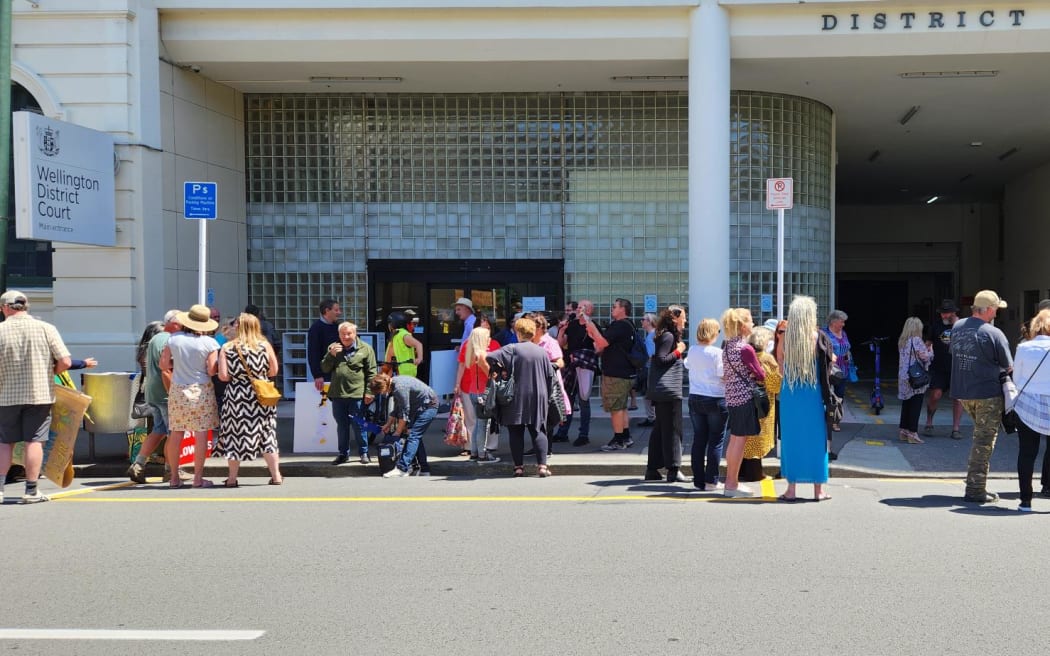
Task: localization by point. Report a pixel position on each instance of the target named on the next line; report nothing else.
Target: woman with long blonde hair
(804, 423)
(247, 427)
(742, 372)
(471, 382)
(911, 348)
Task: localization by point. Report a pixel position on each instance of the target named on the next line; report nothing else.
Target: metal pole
(5, 133)
(780, 264)
(202, 261)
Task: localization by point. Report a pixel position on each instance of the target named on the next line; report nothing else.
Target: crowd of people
(784, 378)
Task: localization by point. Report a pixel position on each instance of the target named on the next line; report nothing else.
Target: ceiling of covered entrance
(968, 136)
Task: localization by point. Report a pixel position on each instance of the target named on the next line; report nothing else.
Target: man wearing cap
(464, 310)
(980, 355)
(155, 391)
(941, 368)
(31, 354)
(323, 331)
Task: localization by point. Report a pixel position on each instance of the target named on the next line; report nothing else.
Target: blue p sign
(201, 200)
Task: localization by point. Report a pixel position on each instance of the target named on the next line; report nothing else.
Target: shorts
(941, 380)
(743, 420)
(25, 423)
(160, 418)
(615, 392)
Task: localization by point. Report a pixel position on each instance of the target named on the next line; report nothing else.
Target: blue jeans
(479, 431)
(585, 418)
(343, 410)
(710, 427)
(413, 442)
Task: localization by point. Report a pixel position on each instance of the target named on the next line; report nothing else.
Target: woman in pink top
(471, 381)
(554, 354)
(741, 370)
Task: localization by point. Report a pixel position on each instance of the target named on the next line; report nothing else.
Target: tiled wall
(596, 179)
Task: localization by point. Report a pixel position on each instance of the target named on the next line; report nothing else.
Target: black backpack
(637, 355)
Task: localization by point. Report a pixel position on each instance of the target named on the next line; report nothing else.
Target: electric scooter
(875, 344)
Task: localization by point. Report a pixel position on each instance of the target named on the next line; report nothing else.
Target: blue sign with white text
(202, 200)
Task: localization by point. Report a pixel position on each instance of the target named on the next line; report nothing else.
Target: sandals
(204, 483)
(273, 482)
(519, 471)
(786, 499)
(229, 483)
(175, 485)
(542, 471)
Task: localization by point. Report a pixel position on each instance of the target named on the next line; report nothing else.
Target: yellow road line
(768, 491)
(65, 494)
(683, 496)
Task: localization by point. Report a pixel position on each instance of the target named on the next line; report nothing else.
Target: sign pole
(202, 261)
(780, 263)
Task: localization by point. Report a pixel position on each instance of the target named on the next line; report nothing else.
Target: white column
(708, 161)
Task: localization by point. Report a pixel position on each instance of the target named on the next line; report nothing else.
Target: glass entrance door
(497, 288)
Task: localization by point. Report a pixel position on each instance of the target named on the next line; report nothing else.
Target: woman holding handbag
(1032, 378)
(248, 428)
(912, 350)
(742, 372)
(665, 392)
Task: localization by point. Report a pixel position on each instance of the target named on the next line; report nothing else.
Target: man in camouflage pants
(980, 355)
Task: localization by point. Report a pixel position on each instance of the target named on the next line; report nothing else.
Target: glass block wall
(597, 179)
(778, 136)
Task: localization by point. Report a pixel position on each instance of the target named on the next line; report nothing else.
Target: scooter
(875, 344)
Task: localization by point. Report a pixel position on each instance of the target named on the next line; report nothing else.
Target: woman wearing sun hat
(190, 360)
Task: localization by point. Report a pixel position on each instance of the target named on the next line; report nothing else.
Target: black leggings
(517, 444)
(910, 411)
(1028, 450)
(665, 439)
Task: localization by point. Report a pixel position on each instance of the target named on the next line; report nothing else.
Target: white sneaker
(35, 497)
(1024, 508)
(395, 473)
(739, 492)
(714, 487)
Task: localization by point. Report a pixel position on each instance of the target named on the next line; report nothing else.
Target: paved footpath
(867, 446)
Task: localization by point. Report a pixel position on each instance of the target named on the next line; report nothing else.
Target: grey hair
(836, 315)
(650, 317)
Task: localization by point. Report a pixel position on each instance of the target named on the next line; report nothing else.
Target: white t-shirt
(190, 356)
(704, 364)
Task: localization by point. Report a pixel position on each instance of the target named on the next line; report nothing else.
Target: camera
(572, 317)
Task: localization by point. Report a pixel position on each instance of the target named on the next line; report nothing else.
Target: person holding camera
(352, 365)
(574, 337)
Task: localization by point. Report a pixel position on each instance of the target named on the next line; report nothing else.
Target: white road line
(126, 634)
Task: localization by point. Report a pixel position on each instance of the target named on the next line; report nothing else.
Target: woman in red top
(471, 381)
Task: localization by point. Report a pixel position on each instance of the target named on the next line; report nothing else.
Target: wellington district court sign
(64, 181)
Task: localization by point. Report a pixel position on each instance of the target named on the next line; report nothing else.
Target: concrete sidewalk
(867, 446)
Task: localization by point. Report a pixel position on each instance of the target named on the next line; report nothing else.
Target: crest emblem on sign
(48, 140)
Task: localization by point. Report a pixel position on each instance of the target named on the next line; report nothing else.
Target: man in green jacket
(352, 364)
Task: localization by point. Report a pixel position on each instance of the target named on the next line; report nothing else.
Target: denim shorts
(160, 418)
(25, 423)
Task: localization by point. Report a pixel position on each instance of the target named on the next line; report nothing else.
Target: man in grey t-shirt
(980, 355)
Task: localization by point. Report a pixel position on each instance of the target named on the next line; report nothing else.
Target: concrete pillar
(708, 161)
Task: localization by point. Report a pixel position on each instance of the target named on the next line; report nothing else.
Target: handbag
(456, 432)
(918, 377)
(665, 381)
(139, 408)
(1011, 422)
(556, 410)
(852, 371)
(759, 397)
(265, 391)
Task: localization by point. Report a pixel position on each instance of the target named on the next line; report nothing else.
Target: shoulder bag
(918, 377)
(1010, 419)
(665, 381)
(265, 391)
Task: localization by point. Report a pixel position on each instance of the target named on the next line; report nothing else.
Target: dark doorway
(876, 308)
(430, 288)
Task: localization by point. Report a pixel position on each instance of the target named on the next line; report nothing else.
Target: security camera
(195, 68)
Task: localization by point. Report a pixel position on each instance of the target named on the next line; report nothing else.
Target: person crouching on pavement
(415, 406)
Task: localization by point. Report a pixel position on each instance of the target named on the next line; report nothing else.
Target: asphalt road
(543, 566)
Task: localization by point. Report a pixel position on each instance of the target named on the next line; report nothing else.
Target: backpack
(637, 355)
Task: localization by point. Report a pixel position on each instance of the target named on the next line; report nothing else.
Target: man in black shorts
(941, 368)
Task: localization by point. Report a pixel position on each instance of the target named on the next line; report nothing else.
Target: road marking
(116, 634)
(683, 495)
(768, 491)
(65, 494)
(874, 442)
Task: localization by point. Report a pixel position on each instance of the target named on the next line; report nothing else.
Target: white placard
(780, 193)
(533, 303)
(443, 365)
(314, 426)
(64, 181)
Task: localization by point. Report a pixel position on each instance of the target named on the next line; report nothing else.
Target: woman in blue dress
(804, 398)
